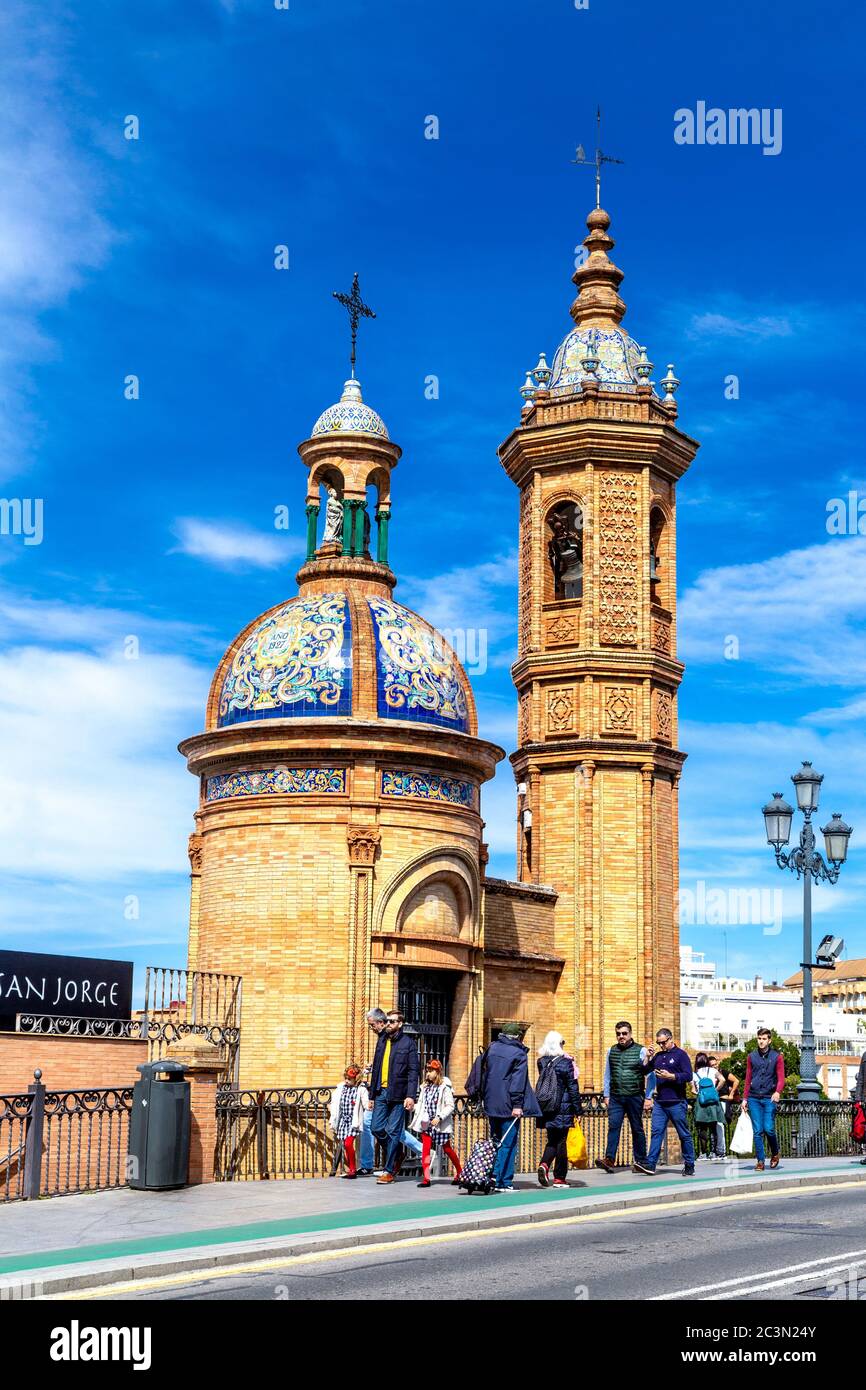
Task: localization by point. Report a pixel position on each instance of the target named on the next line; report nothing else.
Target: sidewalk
(63, 1243)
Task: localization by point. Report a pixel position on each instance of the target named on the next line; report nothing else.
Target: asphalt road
(797, 1248)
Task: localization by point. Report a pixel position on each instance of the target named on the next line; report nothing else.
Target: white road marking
(727, 1288)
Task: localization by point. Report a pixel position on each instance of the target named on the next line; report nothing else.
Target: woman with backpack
(559, 1099)
(707, 1081)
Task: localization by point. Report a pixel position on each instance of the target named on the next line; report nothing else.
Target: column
(383, 516)
(312, 523)
(194, 849)
(363, 841)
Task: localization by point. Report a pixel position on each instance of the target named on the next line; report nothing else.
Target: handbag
(742, 1140)
(576, 1147)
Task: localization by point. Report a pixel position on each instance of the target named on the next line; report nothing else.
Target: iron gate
(425, 998)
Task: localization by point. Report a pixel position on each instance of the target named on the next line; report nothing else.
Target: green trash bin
(159, 1127)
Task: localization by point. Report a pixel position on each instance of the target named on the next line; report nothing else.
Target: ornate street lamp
(807, 863)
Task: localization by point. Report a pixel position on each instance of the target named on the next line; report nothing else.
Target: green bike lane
(386, 1218)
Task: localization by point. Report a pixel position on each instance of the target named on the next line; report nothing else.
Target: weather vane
(599, 158)
(357, 310)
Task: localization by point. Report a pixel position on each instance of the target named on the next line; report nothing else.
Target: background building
(723, 1012)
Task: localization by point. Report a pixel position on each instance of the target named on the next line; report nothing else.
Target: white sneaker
(717, 1158)
(703, 1158)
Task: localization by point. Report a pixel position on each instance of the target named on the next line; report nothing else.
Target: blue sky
(305, 127)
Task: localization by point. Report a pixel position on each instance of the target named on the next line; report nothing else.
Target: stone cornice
(326, 739)
(575, 442)
(600, 661)
(571, 752)
(537, 892)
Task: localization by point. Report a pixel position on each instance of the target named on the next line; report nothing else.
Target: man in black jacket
(393, 1089)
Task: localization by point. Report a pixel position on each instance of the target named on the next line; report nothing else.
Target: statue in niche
(333, 516)
(565, 551)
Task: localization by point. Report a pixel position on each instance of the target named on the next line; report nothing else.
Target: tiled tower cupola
(597, 457)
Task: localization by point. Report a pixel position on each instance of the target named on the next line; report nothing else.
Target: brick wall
(68, 1064)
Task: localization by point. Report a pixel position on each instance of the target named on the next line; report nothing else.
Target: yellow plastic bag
(576, 1147)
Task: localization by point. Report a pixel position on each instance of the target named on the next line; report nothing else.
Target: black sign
(63, 987)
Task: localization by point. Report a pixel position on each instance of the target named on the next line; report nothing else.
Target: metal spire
(357, 310)
(599, 158)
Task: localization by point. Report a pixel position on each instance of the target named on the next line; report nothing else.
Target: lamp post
(809, 864)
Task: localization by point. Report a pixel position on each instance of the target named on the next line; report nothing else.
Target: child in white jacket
(346, 1116)
(432, 1119)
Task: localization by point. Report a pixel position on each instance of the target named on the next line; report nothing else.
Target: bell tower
(597, 457)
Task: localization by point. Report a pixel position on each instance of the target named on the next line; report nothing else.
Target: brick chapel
(338, 860)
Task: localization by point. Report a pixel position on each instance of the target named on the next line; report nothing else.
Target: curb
(54, 1281)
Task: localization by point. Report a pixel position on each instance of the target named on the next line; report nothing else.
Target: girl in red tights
(432, 1119)
(348, 1103)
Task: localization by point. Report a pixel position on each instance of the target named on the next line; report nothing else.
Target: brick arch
(449, 865)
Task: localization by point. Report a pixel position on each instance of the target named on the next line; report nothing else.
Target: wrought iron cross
(357, 310)
(599, 158)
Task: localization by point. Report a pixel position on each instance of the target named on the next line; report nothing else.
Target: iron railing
(283, 1133)
(193, 1003)
(53, 1143)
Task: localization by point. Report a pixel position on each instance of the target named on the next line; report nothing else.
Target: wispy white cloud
(51, 230)
(799, 613)
(232, 546)
(480, 597)
(760, 326)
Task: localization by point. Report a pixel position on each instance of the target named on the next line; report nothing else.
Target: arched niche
(659, 573)
(436, 894)
(564, 530)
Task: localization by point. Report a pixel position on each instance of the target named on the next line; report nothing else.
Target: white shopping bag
(743, 1136)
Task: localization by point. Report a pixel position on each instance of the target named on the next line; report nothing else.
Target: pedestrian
(708, 1113)
(346, 1115)
(673, 1072)
(433, 1119)
(623, 1087)
(860, 1091)
(393, 1090)
(765, 1082)
(500, 1078)
(376, 1022)
(728, 1096)
(558, 1083)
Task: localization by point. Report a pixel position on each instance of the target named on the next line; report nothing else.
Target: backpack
(707, 1093)
(547, 1089)
(858, 1124)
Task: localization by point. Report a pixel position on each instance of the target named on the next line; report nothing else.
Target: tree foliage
(736, 1062)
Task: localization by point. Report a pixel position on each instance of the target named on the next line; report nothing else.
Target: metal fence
(283, 1133)
(53, 1143)
(193, 1003)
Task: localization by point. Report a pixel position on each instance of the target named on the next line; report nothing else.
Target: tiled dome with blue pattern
(350, 415)
(618, 356)
(296, 662)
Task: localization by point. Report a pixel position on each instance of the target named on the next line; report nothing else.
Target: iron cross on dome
(357, 310)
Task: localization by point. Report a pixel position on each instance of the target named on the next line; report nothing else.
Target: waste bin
(159, 1127)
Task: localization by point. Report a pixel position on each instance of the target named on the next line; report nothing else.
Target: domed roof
(618, 356)
(350, 415)
(300, 660)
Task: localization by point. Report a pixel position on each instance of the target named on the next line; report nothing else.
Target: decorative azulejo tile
(277, 781)
(296, 663)
(417, 676)
(618, 358)
(430, 786)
